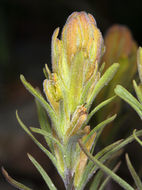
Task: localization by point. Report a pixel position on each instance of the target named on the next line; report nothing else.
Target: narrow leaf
(133, 173)
(46, 134)
(125, 95)
(107, 149)
(115, 177)
(113, 151)
(52, 158)
(13, 181)
(89, 167)
(96, 181)
(104, 80)
(138, 91)
(98, 107)
(119, 146)
(137, 139)
(47, 72)
(108, 178)
(100, 126)
(102, 67)
(44, 124)
(38, 96)
(43, 173)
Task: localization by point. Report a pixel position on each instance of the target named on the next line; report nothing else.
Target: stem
(69, 180)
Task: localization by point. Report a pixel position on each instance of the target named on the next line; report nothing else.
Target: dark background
(26, 28)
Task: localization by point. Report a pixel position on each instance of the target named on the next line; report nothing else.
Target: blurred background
(26, 29)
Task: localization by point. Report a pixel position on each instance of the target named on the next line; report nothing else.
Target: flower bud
(119, 45)
(81, 33)
(139, 62)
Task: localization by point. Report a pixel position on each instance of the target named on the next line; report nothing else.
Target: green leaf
(104, 80)
(87, 173)
(46, 134)
(108, 178)
(44, 124)
(125, 95)
(119, 146)
(98, 107)
(133, 173)
(52, 158)
(96, 140)
(14, 182)
(38, 96)
(137, 139)
(96, 181)
(115, 177)
(102, 67)
(138, 91)
(100, 126)
(89, 166)
(107, 149)
(113, 151)
(43, 173)
(47, 72)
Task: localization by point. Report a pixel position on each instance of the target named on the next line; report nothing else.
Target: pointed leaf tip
(44, 175)
(13, 182)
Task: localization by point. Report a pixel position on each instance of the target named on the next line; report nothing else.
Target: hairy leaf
(43, 173)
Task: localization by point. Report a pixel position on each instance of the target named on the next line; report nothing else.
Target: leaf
(101, 126)
(13, 181)
(47, 72)
(107, 149)
(96, 181)
(104, 80)
(113, 151)
(119, 146)
(102, 67)
(138, 91)
(52, 158)
(38, 96)
(133, 173)
(86, 175)
(98, 107)
(88, 170)
(108, 178)
(115, 177)
(44, 124)
(43, 173)
(46, 134)
(125, 95)
(96, 140)
(137, 139)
